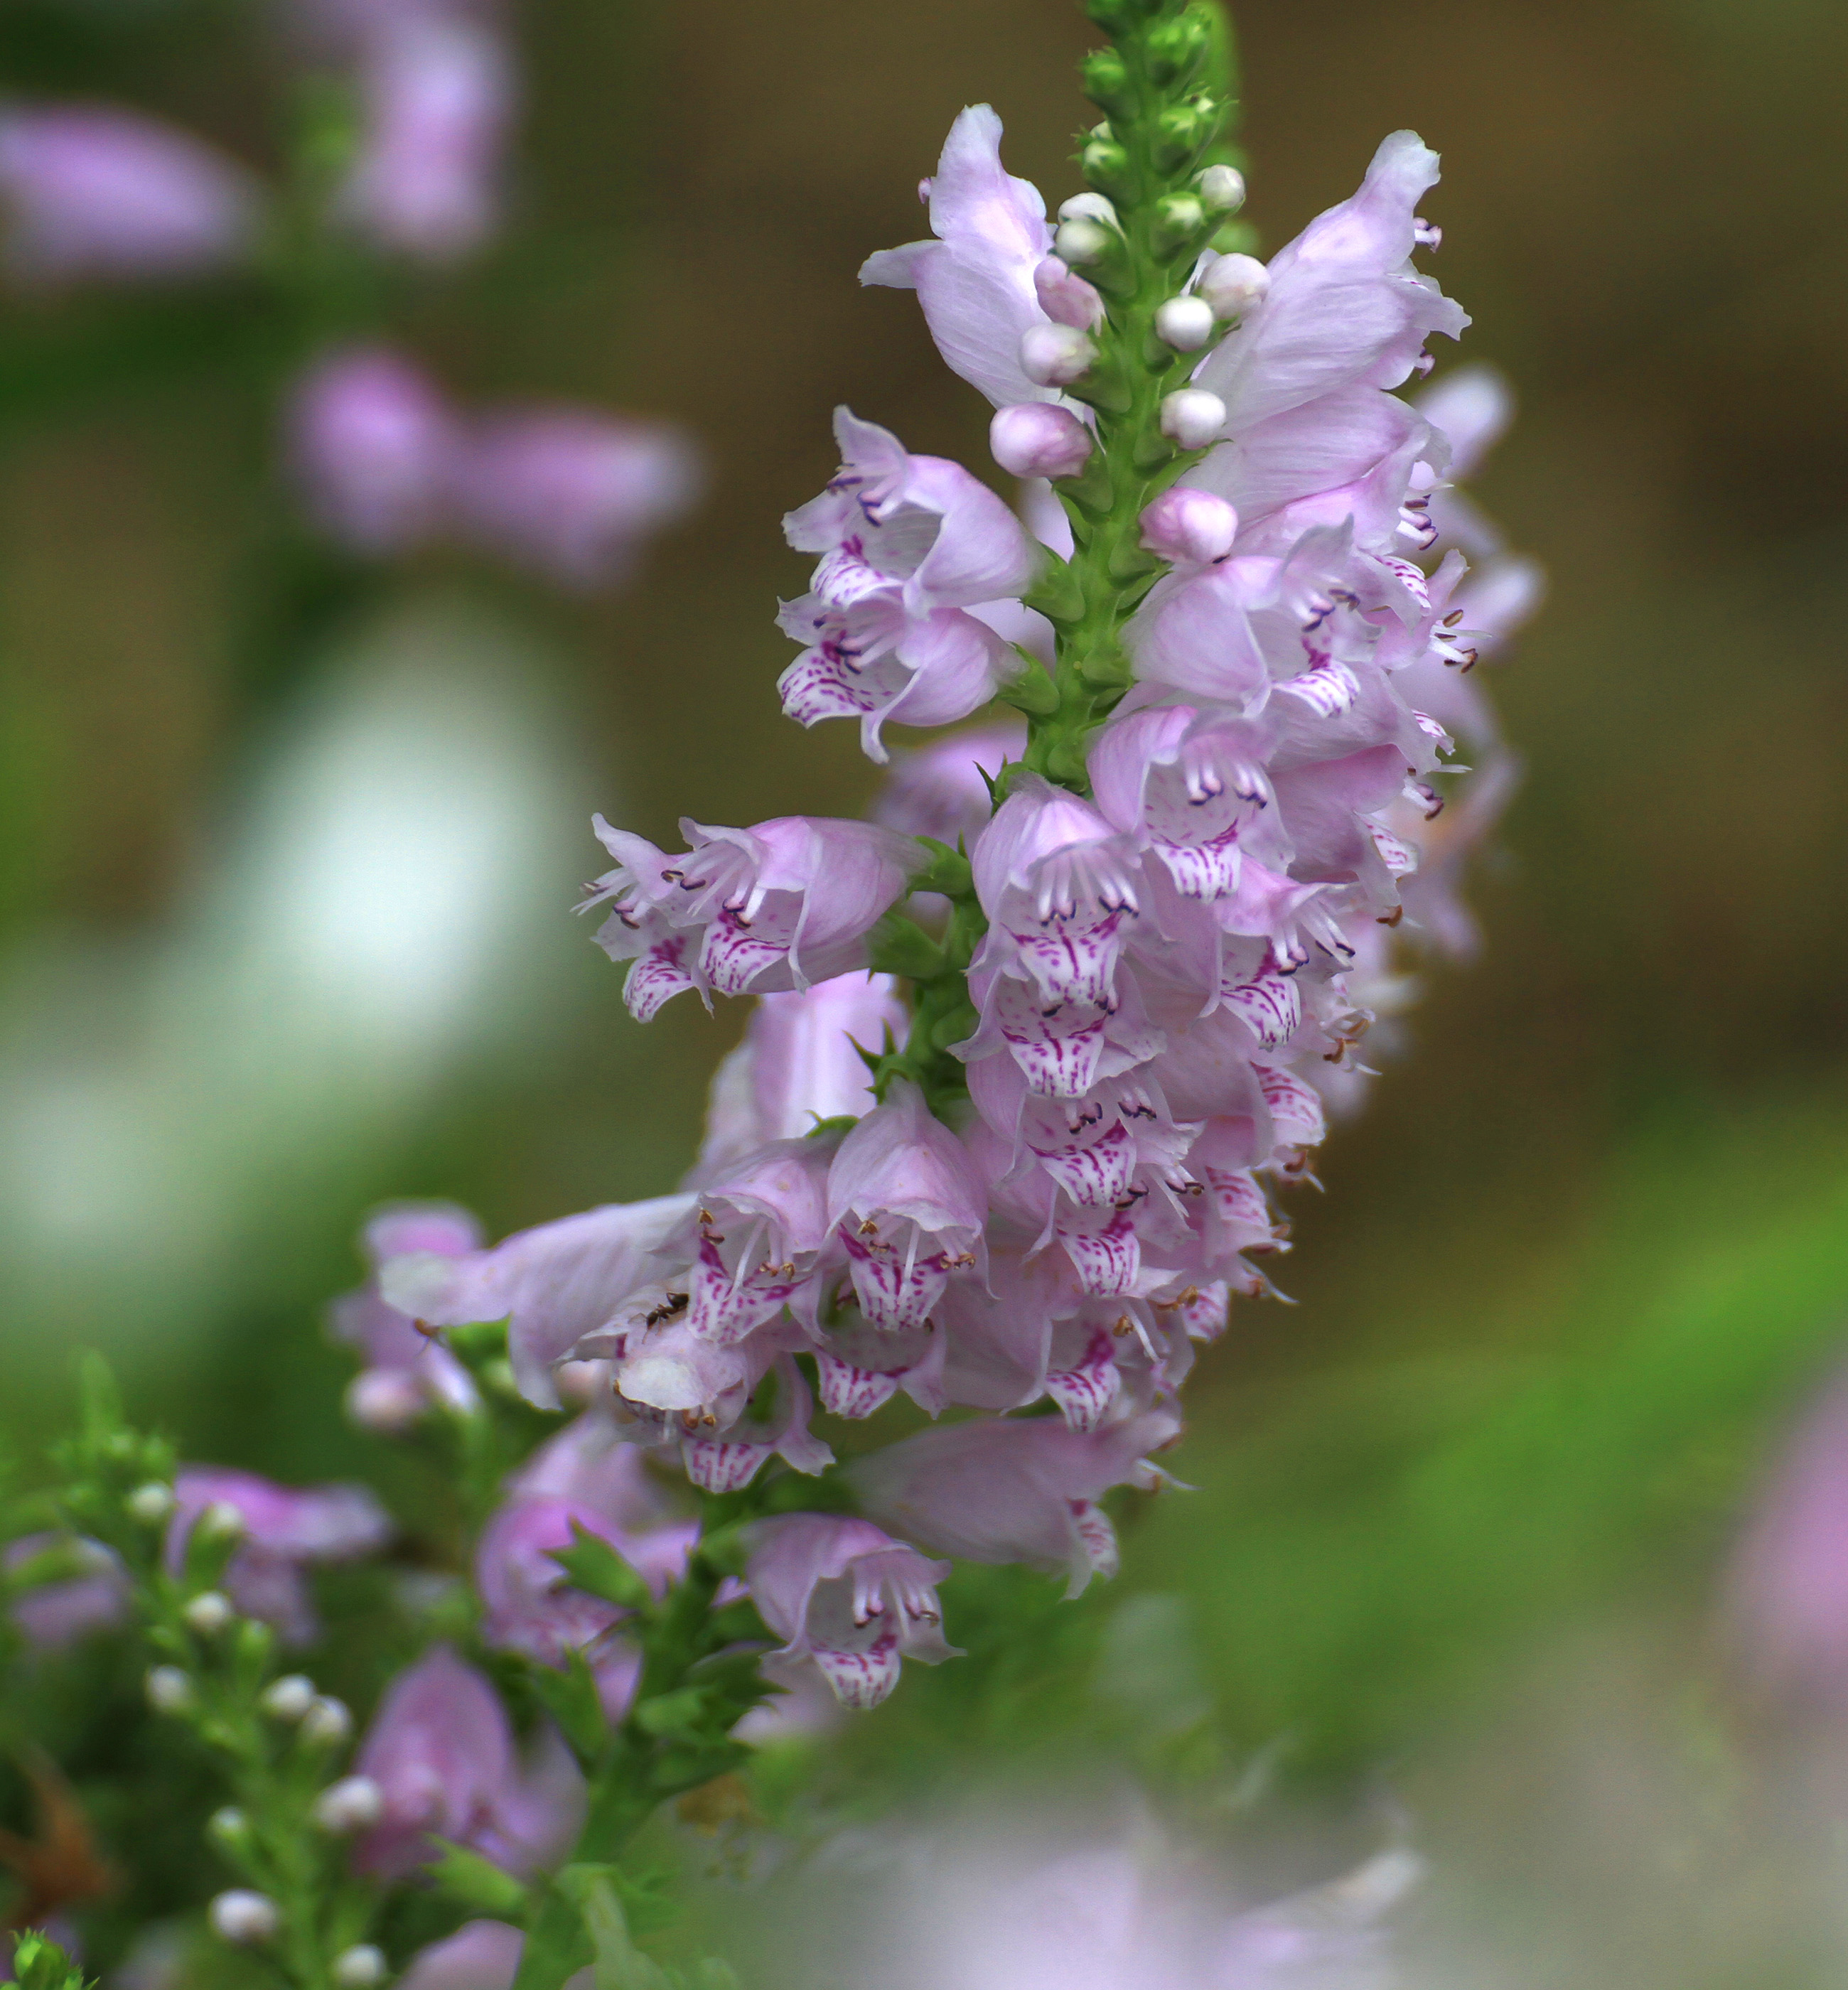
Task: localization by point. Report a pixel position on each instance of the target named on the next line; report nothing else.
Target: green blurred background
(1587, 1246)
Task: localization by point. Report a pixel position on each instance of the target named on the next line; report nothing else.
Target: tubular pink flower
(756, 1238)
(442, 1752)
(847, 1599)
(285, 1528)
(777, 906)
(570, 492)
(551, 1285)
(975, 280)
(480, 1955)
(941, 790)
(1011, 1489)
(1035, 439)
(370, 440)
(92, 191)
(439, 97)
(387, 1340)
(799, 1063)
(907, 1208)
(53, 1614)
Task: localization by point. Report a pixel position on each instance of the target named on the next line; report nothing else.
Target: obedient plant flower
(92, 191)
(584, 1480)
(775, 906)
(847, 1599)
(909, 544)
(1011, 1489)
(52, 1613)
(551, 1285)
(441, 1750)
(285, 1529)
(407, 1370)
(480, 1955)
(907, 1206)
(372, 443)
(439, 97)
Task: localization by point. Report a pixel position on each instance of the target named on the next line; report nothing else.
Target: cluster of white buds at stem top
(326, 1722)
(1192, 417)
(244, 1917)
(170, 1690)
(208, 1613)
(152, 1504)
(1234, 286)
(354, 1803)
(288, 1698)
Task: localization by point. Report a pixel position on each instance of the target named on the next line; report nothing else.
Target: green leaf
(473, 1882)
(571, 1698)
(1033, 692)
(901, 946)
(596, 1567)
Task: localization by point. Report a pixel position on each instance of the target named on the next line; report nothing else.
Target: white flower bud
(1090, 207)
(1184, 323)
(151, 1503)
(385, 1401)
(221, 1521)
(1036, 439)
(1190, 527)
(169, 1690)
(228, 1827)
(360, 1967)
(288, 1698)
(1081, 239)
(1055, 355)
(1234, 285)
(1222, 189)
(243, 1917)
(327, 1721)
(208, 1613)
(1192, 417)
(354, 1803)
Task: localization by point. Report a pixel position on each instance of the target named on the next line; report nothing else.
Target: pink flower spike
(570, 493)
(1006, 1490)
(441, 1750)
(1036, 439)
(907, 1207)
(92, 191)
(845, 1598)
(1192, 528)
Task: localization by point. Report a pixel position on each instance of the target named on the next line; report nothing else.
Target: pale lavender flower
(975, 280)
(442, 1751)
(909, 545)
(1035, 439)
(406, 1371)
(1471, 406)
(287, 1529)
(551, 1285)
(847, 1599)
(799, 1063)
(586, 1479)
(756, 1240)
(439, 97)
(570, 492)
(1010, 1488)
(372, 441)
(907, 1207)
(480, 1955)
(94, 190)
(938, 790)
(53, 1614)
(776, 906)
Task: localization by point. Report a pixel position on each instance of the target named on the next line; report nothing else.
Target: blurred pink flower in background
(95, 191)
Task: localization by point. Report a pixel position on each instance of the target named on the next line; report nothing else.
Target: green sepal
(901, 946)
(39, 1964)
(948, 871)
(596, 1567)
(1056, 593)
(571, 1698)
(477, 1345)
(960, 1023)
(1033, 692)
(667, 1713)
(1173, 50)
(472, 1881)
(1104, 79)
